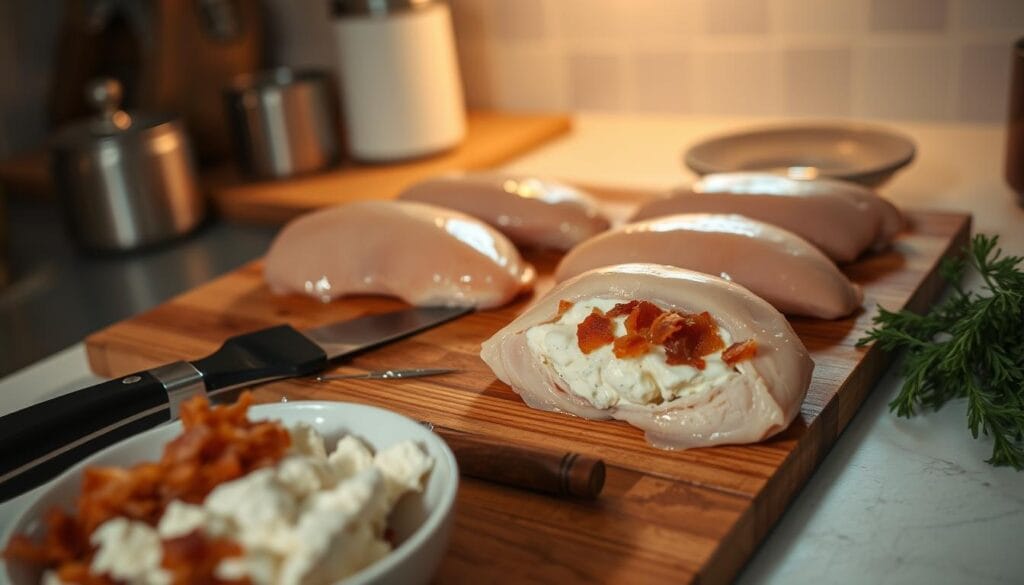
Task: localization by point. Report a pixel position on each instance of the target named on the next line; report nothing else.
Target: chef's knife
(39, 442)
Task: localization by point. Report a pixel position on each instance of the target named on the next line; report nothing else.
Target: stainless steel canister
(125, 180)
(284, 122)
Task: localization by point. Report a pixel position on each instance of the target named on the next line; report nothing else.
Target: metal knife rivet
(131, 379)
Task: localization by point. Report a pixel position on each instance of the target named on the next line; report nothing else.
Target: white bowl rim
(377, 569)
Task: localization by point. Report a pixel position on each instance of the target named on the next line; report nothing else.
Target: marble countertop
(896, 500)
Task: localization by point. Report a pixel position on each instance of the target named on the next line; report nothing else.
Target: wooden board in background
(665, 517)
(491, 139)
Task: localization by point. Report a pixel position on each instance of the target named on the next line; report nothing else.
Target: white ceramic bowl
(860, 153)
(421, 522)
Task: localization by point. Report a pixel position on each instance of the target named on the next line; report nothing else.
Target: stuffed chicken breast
(422, 254)
(531, 212)
(840, 218)
(777, 265)
(692, 359)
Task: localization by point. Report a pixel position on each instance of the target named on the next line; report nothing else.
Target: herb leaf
(970, 345)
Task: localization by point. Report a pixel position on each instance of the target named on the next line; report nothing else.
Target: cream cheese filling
(605, 380)
(315, 517)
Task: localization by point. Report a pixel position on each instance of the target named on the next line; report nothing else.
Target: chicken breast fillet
(725, 403)
(777, 265)
(530, 211)
(422, 254)
(842, 219)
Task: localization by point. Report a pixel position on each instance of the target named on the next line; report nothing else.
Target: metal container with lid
(399, 78)
(125, 179)
(285, 122)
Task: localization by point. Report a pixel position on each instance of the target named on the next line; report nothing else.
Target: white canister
(399, 78)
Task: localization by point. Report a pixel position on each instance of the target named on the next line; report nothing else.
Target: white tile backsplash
(984, 66)
(736, 82)
(909, 15)
(521, 20)
(816, 82)
(665, 19)
(817, 17)
(920, 59)
(906, 82)
(526, 78)
(662, 81)
(596, 81)
(986, 15)
(914, 59)
(588, 19)
(737, 17)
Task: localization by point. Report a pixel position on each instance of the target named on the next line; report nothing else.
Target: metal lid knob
(105, 94)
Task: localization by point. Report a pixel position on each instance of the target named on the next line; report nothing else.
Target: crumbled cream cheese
(606, 380)
(128, 551)
(314, 518)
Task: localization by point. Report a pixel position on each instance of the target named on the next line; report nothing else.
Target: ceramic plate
(421, 522)
(864, 154)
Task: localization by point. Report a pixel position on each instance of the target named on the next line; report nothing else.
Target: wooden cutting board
(491, 139)
(664, 517)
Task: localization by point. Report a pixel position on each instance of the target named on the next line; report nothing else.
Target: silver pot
(125, 180)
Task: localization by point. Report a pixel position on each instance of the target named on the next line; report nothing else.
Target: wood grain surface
(491, 138)
(664, 516)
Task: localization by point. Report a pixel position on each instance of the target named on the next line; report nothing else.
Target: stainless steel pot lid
(111, 122)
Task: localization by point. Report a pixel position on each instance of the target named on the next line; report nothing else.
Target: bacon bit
(594, 332)
(697, 338)
(665, 326)
(193, 558)
(622, 309)
(708, 340)
(78, 573)
(218, 445)
(63, 542)
(739, 351)
(563, 306)
(642, 317)
(631, 345)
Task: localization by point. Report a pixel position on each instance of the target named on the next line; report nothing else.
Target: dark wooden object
(540, 470)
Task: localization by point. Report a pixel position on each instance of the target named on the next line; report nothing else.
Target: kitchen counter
(896, 501)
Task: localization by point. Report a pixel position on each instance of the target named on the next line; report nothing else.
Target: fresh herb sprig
(971, 346)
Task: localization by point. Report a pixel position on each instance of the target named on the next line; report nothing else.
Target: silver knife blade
(345, 337)
(388, 374)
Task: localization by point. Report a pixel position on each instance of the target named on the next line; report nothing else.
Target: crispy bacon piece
(642, 317)
(596, 331)
(697, 338)
(78, 573)
(217, 445)
(63, 541)
(665, 326)
(687, 337)
(192, 559)
(622, 309)
(631, 345)
(563, 306)
(739, 351)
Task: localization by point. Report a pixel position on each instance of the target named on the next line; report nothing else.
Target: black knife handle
(39, 442)
(275, 352)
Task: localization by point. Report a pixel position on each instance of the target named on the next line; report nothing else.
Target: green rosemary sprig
(971, 346)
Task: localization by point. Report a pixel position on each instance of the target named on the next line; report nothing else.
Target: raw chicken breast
(728, 401)
(530, 211)
(422, 254)
(777, 265)
(842, 219)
